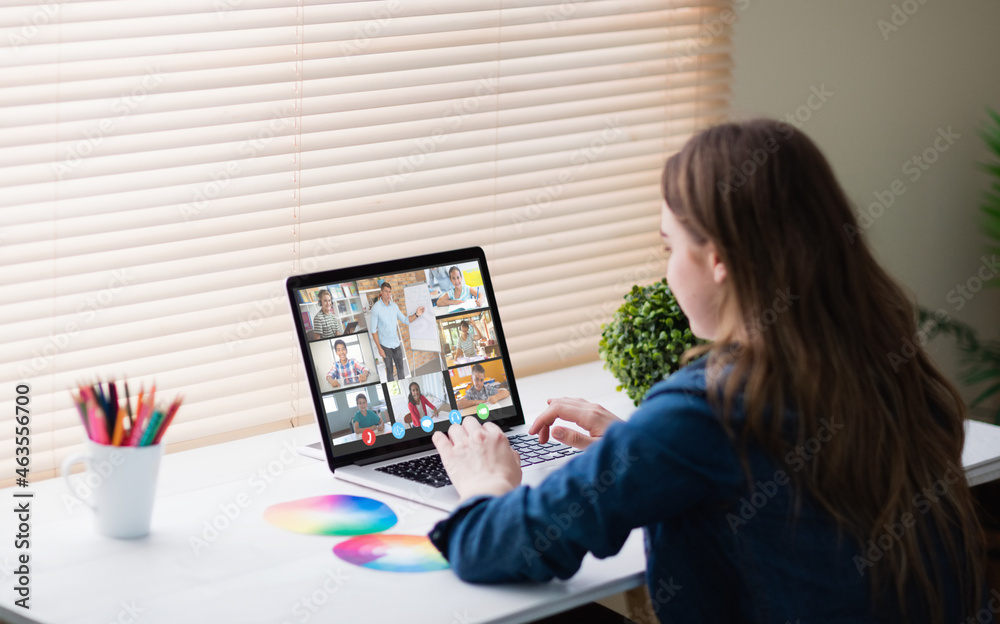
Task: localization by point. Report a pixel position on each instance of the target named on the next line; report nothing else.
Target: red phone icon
(368, 437)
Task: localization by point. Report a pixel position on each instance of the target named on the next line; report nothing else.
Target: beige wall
(891, 93)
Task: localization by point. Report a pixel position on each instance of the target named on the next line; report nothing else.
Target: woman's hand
(591, 416)
(478, 458)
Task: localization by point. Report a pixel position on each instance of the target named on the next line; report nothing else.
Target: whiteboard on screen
(423, 330)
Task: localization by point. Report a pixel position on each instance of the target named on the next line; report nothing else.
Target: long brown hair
(842, 347)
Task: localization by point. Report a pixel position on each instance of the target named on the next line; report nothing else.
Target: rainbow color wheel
(392, 553)
(334, 514)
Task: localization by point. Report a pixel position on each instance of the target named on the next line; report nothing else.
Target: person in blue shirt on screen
(804, 466)
(365, 418)
(385, 331)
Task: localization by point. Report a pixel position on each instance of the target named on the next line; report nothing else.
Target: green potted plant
(981, 358)
(644, 341)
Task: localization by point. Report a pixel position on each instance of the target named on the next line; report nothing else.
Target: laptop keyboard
(430, 471)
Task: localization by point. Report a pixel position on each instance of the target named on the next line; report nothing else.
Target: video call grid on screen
(450, 356)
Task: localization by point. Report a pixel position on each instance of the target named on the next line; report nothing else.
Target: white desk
(249, 571)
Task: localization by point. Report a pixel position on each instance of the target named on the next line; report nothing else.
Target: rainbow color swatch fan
(334, 514)
(392, 553)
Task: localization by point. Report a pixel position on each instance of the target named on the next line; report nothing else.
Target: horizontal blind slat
(165, 166)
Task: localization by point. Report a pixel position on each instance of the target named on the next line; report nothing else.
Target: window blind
(164, 166)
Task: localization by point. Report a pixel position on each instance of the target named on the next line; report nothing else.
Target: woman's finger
(582, 415)
(458, 434)
(572, 438)
(444, 446)
(493, 429)
(543, 434)
(472, 429)
(573, 401)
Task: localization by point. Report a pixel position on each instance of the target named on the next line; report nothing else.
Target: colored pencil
(150, 432)
(128, 405)
(81, 408)
(112, 409)
(106, 421)
(167, 419)
(95, 425)
(116, 437)
(136, 423)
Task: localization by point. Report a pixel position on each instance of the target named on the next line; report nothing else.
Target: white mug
(119, 485)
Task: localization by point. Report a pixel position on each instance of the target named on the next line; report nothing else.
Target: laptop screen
(397, 350)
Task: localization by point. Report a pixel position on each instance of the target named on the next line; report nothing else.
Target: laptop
(377, 415)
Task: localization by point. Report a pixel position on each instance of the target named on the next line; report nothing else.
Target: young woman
(325, 323)
(802, 468)
(417, 402)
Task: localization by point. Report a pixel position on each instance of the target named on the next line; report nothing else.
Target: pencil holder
(119, 485)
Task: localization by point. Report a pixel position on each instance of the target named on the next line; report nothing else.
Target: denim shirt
(716, 550)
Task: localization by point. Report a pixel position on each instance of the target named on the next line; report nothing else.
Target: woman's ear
(718, 268)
